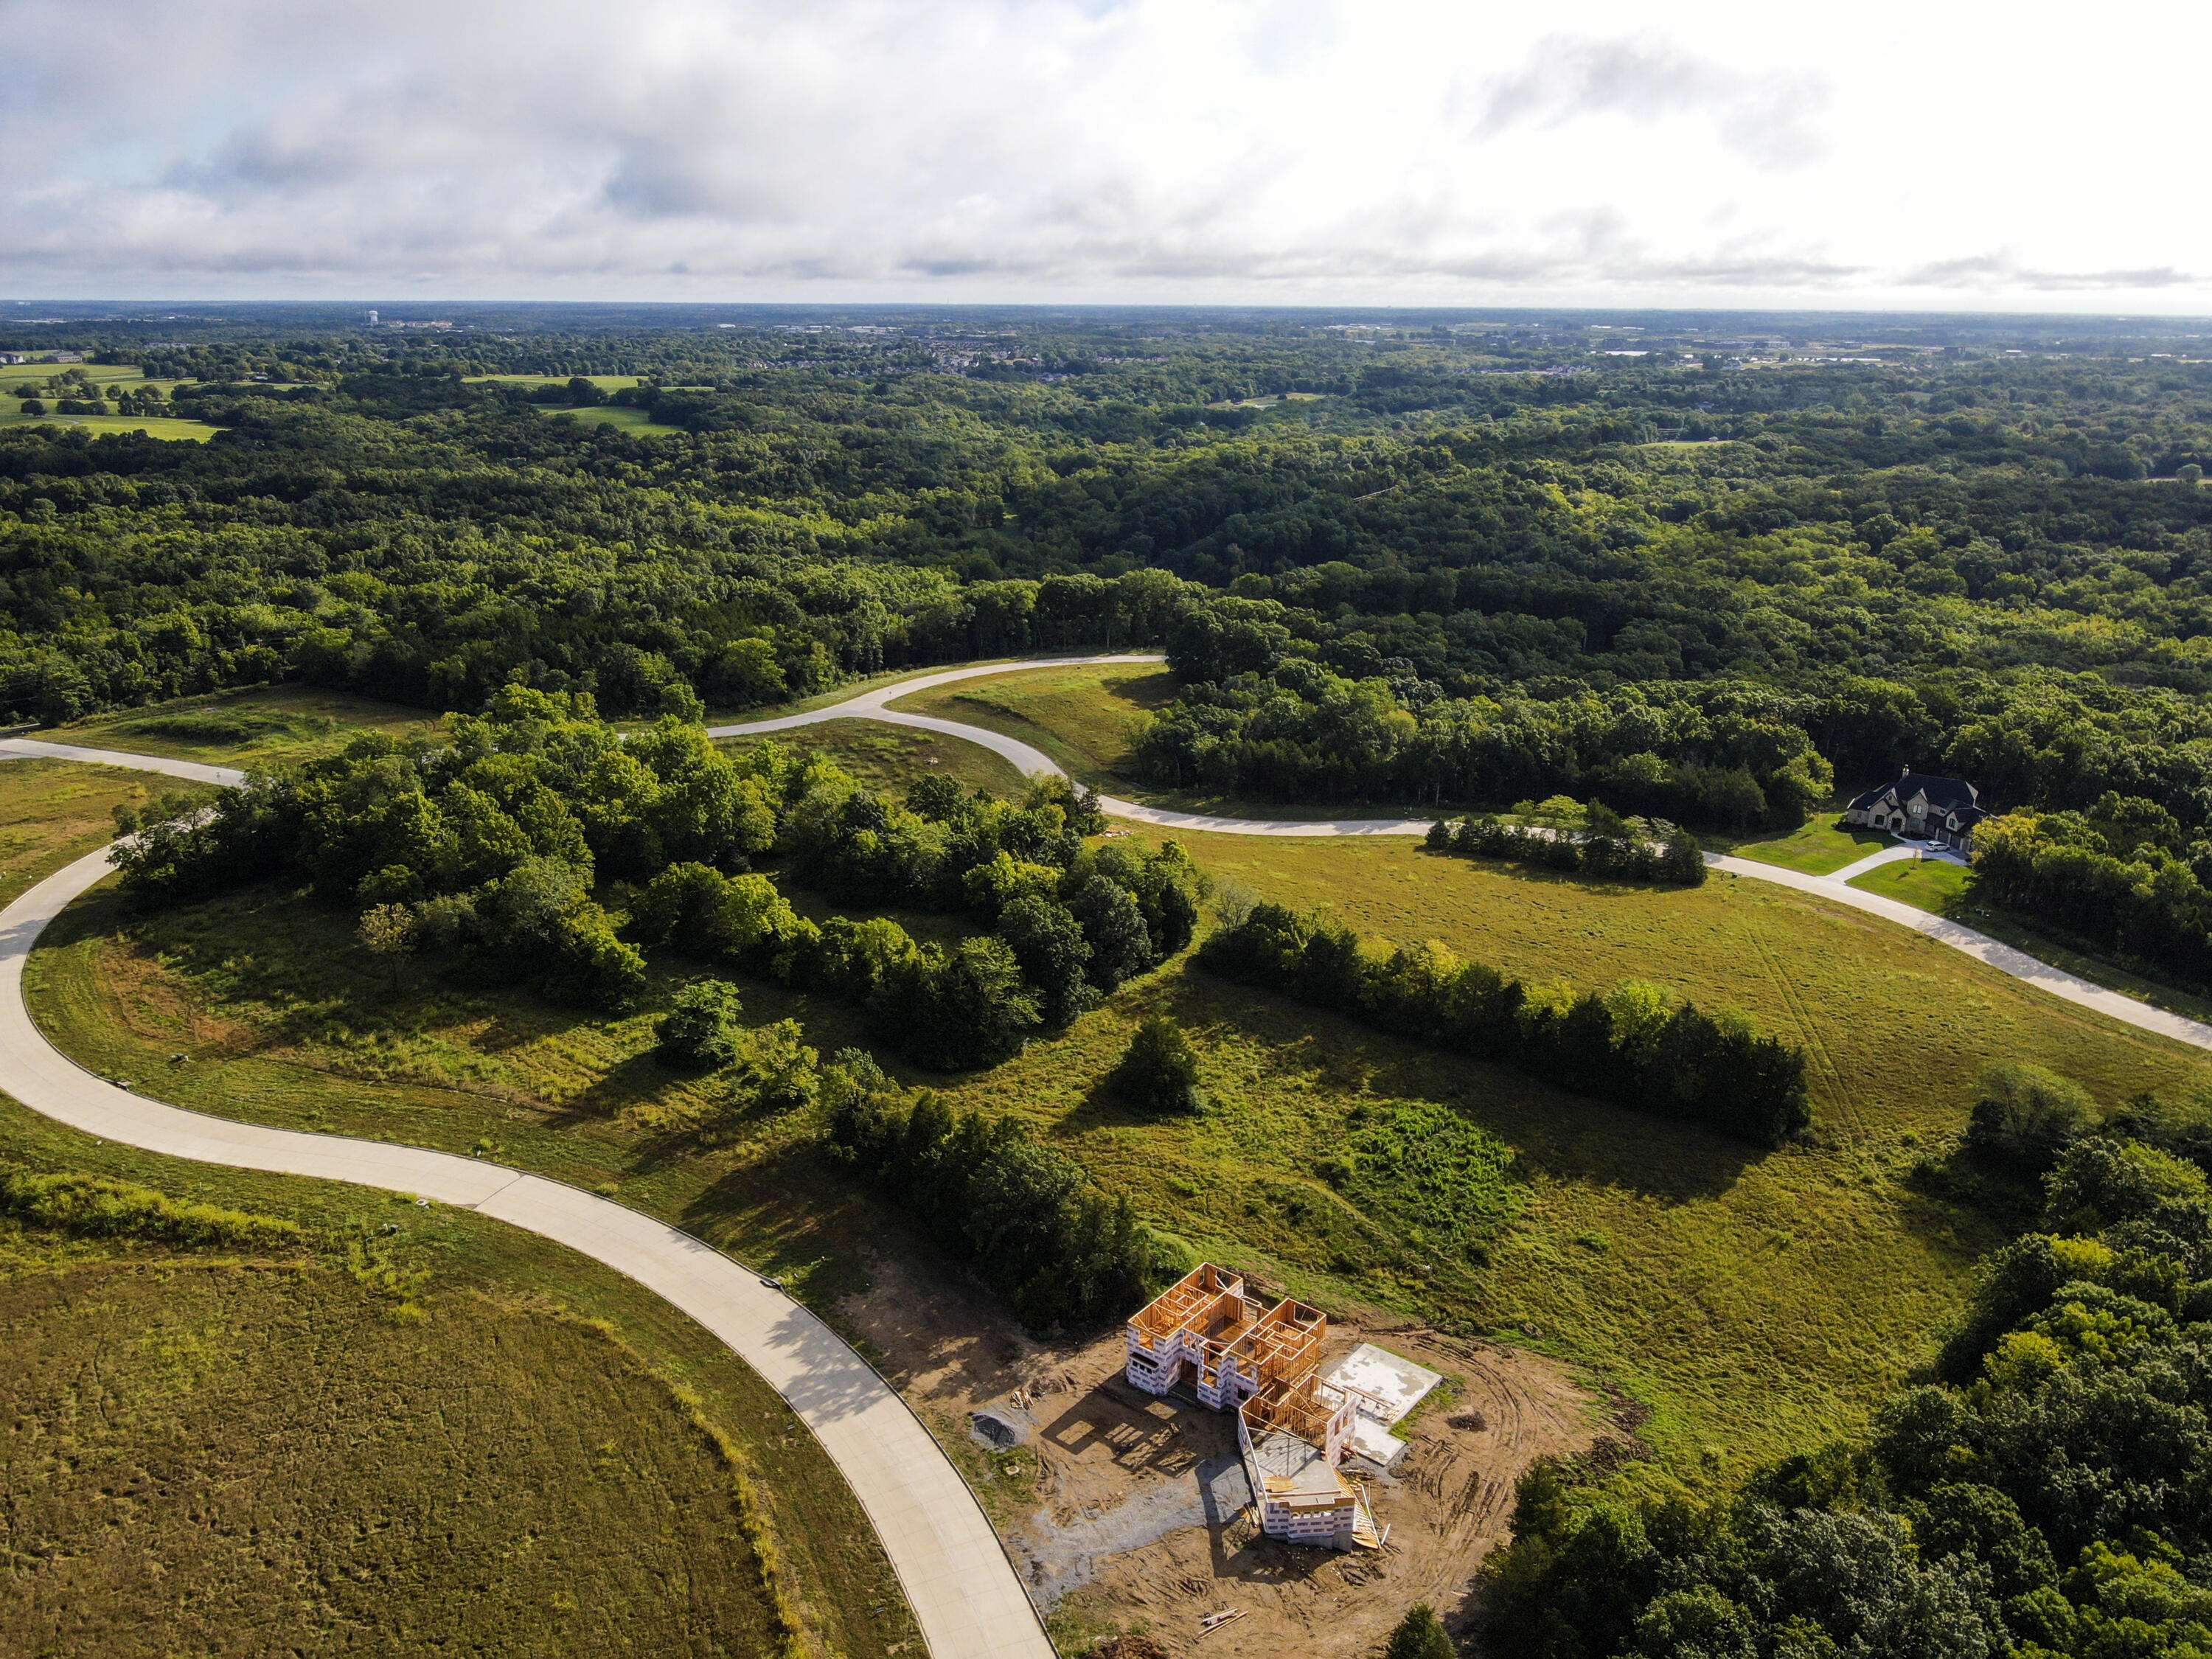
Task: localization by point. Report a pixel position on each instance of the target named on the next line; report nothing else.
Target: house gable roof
(1944, 795)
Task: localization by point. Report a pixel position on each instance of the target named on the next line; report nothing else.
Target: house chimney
(1904, 772)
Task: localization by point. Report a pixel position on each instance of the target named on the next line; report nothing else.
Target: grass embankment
(266, 725)
(392, 1430)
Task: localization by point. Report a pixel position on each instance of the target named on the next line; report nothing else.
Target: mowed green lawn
(1824, 844)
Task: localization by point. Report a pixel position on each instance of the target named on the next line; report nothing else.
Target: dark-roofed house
(1920, 806)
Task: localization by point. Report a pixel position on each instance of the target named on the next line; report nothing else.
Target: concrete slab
(1389, 1386)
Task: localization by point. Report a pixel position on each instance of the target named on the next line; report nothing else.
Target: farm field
(266, 725)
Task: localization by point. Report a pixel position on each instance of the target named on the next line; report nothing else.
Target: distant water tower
(372, 319)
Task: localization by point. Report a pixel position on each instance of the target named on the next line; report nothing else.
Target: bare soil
(1128, 1512)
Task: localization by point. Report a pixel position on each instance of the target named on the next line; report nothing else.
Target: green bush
(700, 1031)
(2025, 1116)
(1158, 1072)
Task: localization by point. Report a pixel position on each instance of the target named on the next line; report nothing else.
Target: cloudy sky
(1930, 155)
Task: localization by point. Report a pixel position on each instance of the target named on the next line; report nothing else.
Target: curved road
(2072, 987)
(964, 1591)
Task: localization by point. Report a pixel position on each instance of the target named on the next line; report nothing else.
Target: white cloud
(1157, 149)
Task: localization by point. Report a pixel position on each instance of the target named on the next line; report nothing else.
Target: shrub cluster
(1158, 1071)
(1059, 938)
(1631, 1045)
(96, 1206)
(1568, 837)
(491, 847)
(2042, 1496)
(1026, 1216)
(494, 841)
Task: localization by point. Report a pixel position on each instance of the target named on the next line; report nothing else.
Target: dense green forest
(1457, 561)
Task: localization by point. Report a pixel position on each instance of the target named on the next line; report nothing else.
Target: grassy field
(890, 757)
(259, 1454)
(1750, 1303)
(618, 415)
(53, 812)
(1081, 717)
(422, 1429)
(266, 725)
(416, 1431)
(43, 375)
(1946, 889)
(1826, 843)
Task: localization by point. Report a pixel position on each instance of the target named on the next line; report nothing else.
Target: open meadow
(263, 726)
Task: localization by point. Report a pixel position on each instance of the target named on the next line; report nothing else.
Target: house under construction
(1294, 1429)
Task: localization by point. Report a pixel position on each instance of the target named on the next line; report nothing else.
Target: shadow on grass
(1553, 1134)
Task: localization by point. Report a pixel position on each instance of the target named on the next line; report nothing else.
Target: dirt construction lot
(1129, 1512)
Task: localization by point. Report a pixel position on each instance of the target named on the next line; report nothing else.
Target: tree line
(1632, 1045)
(1026, 1216)
(1564, 835)
(2124, 877)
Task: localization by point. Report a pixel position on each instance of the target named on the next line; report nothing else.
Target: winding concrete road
(964, 1591)
(965, 1594)
(1030, 759)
